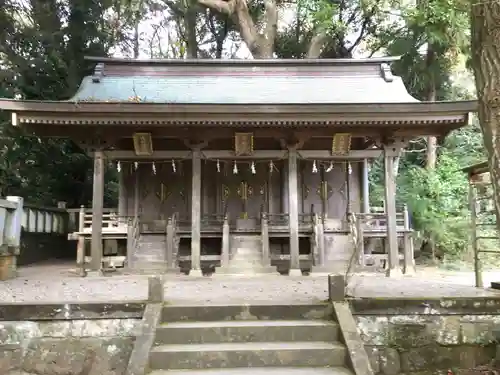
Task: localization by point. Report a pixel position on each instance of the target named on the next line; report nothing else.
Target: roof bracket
(385, 69)
(98, 73)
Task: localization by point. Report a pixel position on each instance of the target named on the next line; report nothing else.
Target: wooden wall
(166, 192)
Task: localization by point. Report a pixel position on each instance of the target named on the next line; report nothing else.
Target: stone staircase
(246, 256)
(240, 340)
(150, 254)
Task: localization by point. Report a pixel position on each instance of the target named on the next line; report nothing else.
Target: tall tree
(485, 27)
(321, 28)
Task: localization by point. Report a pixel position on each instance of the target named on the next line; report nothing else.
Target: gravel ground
(55, 284)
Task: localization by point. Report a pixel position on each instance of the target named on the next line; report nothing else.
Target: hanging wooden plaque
(341, 144)
(143, 144)
(243, 144)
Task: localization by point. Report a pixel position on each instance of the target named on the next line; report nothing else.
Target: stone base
(409, 271)
(394, 272)
(295, 272)
(263, 270)
(195, 273)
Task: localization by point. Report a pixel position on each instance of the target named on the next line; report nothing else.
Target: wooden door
(244, 193)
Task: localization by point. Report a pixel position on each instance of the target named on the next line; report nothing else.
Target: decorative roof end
(385, 69)
(98, 73)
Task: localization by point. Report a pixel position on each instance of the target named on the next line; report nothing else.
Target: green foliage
(42, 56)
(437, 200)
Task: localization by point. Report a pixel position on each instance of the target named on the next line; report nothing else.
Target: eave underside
(66, 119)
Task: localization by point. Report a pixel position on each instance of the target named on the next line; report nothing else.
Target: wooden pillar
(366, 187)
(409, 253)
(80, 247)
(136, 193)
(293, 212)
(97, 211)
(225, 243)
(266, 256)
(284, 188)
(473, 206)
(393, 268)
(122, 196)
(196, 215)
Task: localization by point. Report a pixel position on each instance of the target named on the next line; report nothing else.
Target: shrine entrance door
(244, 193)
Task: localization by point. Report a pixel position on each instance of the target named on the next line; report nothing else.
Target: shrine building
(237, 166)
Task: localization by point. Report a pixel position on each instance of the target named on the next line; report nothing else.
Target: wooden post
(225, 243)
(393, 268)
(170, 245)
(320, 239)
(80, 256)
(409, 256)
(293, 212)
(361, 241)
(266, 258)
(137, 189)
(473, 235)
(80, 245)
(81, 219)
(97, 211)
(131, 242)
(366, 187)
(122, 197)
(196, 215)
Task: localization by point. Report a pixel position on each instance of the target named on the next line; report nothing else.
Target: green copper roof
(244, 83)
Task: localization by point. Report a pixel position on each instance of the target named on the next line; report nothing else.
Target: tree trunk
(190, 30)
(260, 44)
(486, 62)
(431, 97)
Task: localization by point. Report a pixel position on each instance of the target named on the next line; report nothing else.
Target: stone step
(259, 354)
(246, 331)
(236, 269)
(259, 371)
(176, 313)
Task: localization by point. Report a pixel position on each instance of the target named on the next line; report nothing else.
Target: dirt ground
(56, 283)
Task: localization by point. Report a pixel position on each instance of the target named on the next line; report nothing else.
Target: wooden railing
(80, 220)
(212, 221)
(280, 219)
(377, 219)
(374, 225)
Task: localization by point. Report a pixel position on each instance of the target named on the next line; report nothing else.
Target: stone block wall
(83, 347)
(429, 337)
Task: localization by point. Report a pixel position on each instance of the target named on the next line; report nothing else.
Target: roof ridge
(248, 62)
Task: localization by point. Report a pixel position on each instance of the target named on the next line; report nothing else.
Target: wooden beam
(126, 155)
(352, 155)
(258, 154)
